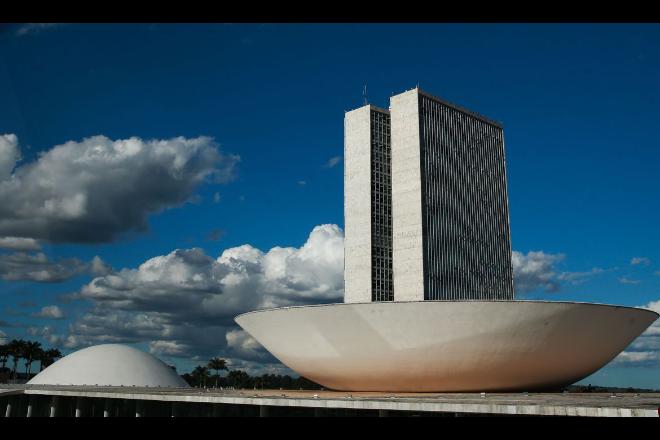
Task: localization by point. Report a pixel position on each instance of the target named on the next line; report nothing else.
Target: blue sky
(580, 104)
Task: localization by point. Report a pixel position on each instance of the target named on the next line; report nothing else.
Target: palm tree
(239, 379)
(217, 364)
(200, 373)
(48, 357)
(16, 352)
(31, 352)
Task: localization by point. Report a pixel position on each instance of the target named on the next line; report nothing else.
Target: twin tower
(425, 203)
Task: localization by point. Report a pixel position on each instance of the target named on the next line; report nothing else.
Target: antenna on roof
(364, 94)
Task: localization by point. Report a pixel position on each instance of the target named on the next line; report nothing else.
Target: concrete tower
(426, 205)
(367, 206)
(451, 238)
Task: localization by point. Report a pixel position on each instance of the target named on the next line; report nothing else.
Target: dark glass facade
(381, 207)
(465, 213)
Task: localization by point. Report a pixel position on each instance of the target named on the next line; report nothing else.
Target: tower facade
(426, 205)
(368, 272)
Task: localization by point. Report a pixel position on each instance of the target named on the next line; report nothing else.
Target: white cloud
(50, 312)
(244, 346)
(645, 350)
(9, 155)
(302, 183)
(54, 339)
(538, 270)
(216, 197)
(98, 188)
(99, 267)
(638, 358)
(3, 338)
(333, 161)
(183, 303)
(168, 348)
(636, 261)
(19, 244)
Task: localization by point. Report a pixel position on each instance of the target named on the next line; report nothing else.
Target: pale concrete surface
(109, 364)
(407, 244)
(357, 205)
(447, 346)
(549, 404)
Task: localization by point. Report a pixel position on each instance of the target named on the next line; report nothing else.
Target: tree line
(30, 351)
(201, 377)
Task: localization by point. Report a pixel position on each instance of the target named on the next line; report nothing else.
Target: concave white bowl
(447, 346)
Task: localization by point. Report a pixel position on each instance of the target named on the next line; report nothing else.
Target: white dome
(109, 365)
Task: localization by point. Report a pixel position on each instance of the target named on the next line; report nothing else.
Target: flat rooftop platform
(539, 404)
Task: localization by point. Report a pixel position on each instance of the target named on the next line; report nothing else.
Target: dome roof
(109, 365)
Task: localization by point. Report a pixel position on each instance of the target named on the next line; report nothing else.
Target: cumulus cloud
(50, 312)
(241, 345)
(95, 189)
(183, 303)
(645, 350)
(538, 271)
(98, 267)
(636, 261)
(9, 155)
(333, 161)
(51, 337)
(168, 348)
(23, 266)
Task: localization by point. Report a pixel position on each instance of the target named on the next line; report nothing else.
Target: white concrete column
(107, 408)
(357, 205)
(175, 409)
(407, 223)
(53, 406)
(139, 408)
(8, 409)
(263, 411)
(30, 406)
(79, 405)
